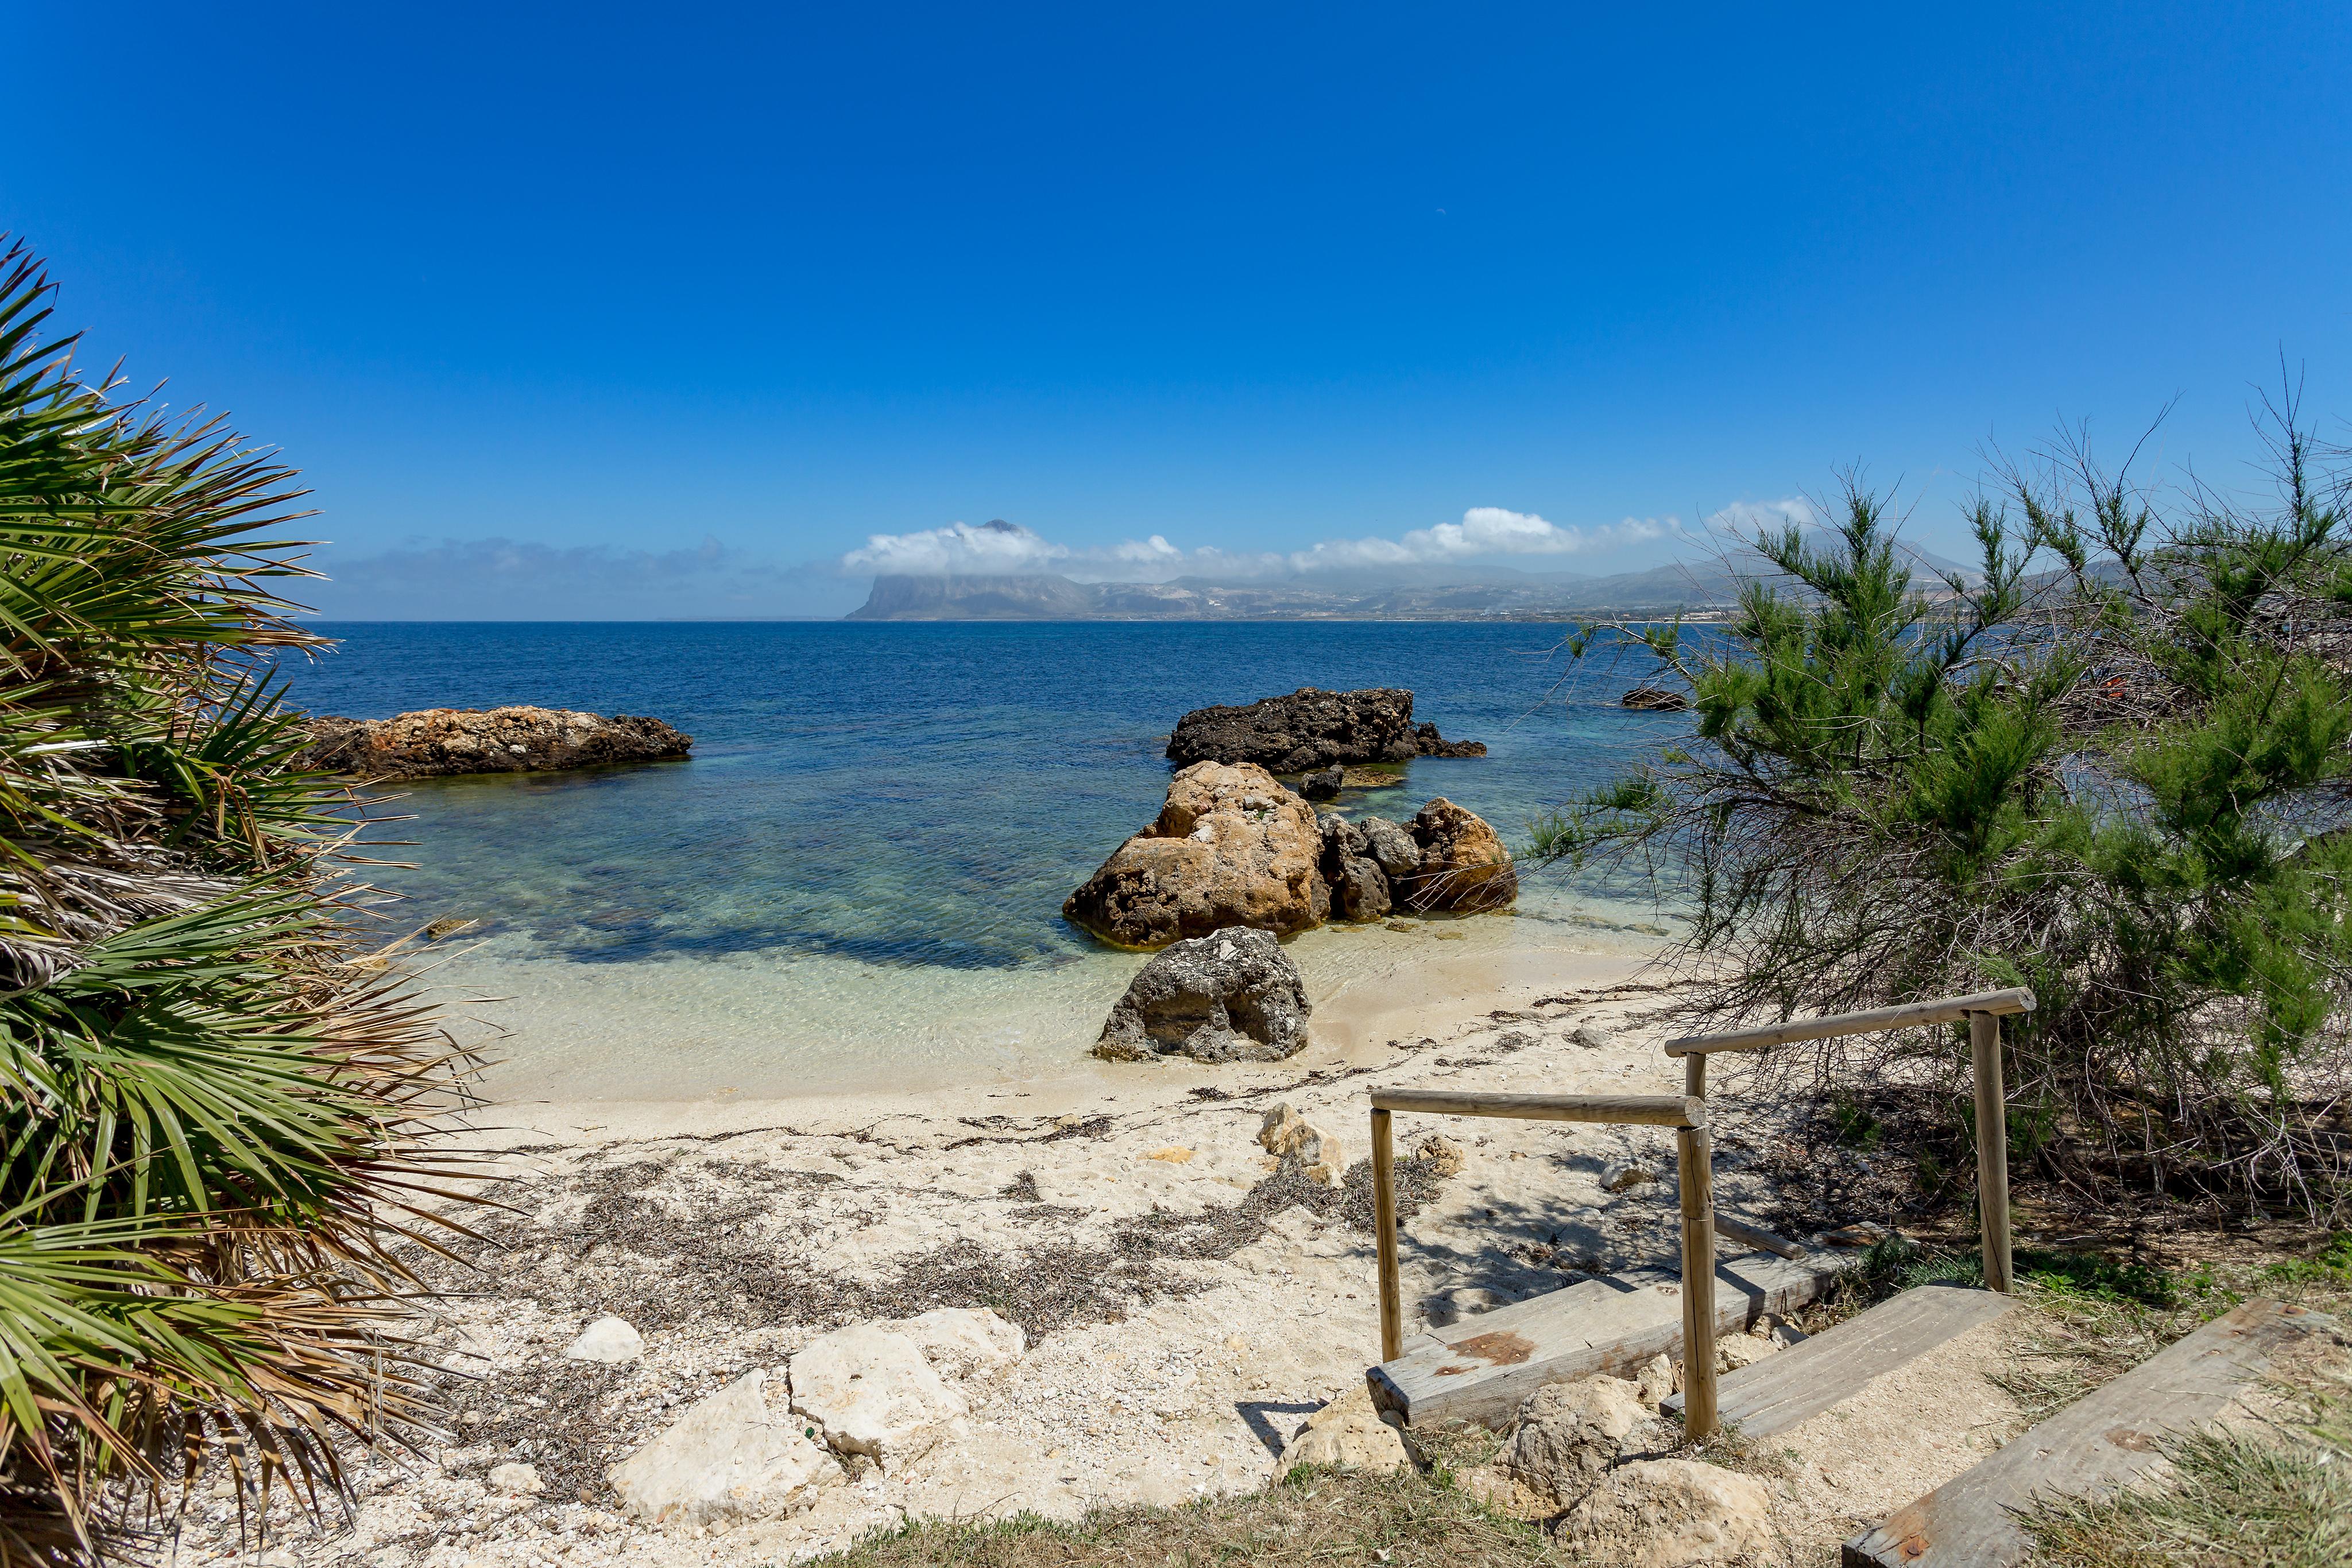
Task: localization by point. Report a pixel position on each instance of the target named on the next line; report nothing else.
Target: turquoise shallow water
(860, 870)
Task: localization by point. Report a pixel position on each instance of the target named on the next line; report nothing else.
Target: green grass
(2276, 1499)
(1313, 1516)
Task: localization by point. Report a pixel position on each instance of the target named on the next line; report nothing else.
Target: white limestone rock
(1625, 1174)
(1733, 1351)
(735, 1455)
(1668, 1513)
(1569, 1434)
(966, 1342)
(612, 1341)
(1286, 1134)
(1655, 1382)
(870, 1391)
(517, 1480)
(1347, 1434)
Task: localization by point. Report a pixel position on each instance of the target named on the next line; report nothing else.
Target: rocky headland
(1312, 729)
(1233, 847)
(437, 742)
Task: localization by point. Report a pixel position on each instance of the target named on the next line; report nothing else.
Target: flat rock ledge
(1312, 729)
(772, 1441)
(437, 742)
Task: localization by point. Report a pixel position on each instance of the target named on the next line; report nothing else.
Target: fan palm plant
(216, 1127)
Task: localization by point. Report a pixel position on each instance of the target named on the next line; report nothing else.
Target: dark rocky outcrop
(1312, 729)
(1654, 699)
(1231, 997)
(441, 742)
(1323, 786)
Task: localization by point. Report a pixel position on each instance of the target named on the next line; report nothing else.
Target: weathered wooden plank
(1947, 1010)
(1774, 1393)
(1638, 1110)
(2100, 1443)
(1748, 1234)
(1480, 1367)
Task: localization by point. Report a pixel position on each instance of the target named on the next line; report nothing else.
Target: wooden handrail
(1637, 1110)
(1984, 1011)
(1950, 1009)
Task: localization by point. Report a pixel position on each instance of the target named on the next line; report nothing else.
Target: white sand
(1182, 1396)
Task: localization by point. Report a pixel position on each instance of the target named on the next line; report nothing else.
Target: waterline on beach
(773, 1026)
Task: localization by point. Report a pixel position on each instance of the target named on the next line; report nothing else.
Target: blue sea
(857, 877)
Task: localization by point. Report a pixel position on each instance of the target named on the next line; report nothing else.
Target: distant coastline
(1695, 593)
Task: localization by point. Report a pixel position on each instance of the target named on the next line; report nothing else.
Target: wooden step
(2097, 1444)
(1480, 1368)
(1774, 1393)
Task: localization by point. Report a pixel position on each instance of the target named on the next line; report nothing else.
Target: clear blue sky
(676, 299)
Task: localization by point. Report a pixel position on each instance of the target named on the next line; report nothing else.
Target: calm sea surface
(859, 874)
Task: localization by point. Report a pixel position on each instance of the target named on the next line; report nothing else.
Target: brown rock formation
(439, 741)
(1463, 864)
(1231, 847)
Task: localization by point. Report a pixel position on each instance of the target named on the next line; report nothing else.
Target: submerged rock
(1323, 786)
(1312, 729)
(439, 741)
(1231, 997)
(1231, 847)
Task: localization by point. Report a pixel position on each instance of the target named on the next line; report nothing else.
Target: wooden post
(1694, 1173)
(1992, 1148)
(1384, 1228)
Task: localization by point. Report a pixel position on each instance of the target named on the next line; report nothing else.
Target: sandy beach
(1187, 1306)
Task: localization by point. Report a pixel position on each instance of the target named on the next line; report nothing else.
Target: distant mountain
(1496, 594)
(1037, 598)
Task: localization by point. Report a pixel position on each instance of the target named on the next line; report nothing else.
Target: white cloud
(995, 547)
(1742, 519)
(1483, 532)
(523, 579)
(1002, 547)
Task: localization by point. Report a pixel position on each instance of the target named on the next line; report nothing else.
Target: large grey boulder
(731, 1456)
(1233, 995)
